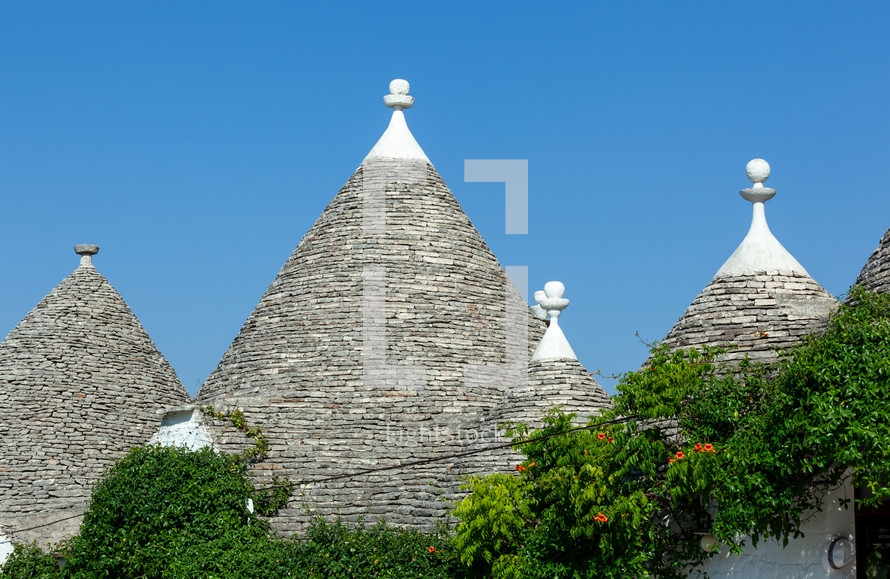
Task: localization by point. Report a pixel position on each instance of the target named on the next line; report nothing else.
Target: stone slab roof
(761, 299)
(565, 383)
(302, 365)
(80, 381)
(388, 336)
(875, 274)
(759, 312)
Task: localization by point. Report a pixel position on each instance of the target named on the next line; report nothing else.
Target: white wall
(5, 547)
(183, 426)
(803, 558)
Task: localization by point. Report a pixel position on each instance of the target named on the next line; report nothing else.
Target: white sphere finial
(399, 86)
(554, 289)
(554, 345)
(551, 299)
(757, 171)
(398, 98)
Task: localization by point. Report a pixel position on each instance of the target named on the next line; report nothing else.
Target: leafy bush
(167, 512)
(693, 447)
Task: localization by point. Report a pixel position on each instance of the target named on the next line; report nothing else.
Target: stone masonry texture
(300, 365)
(760, 313)
(875, 275)
(80, 383)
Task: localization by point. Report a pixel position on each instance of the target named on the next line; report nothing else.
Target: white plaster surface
(760, 252)
(757, 171)
(554, 345)
(802, 558)
(183, 427)
(397, 141)
(5, 547)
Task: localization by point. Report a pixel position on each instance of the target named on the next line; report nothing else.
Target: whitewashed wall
(183, 426)
(5, 547)
(803, 558)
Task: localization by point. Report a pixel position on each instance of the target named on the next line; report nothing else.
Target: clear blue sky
(197, 142)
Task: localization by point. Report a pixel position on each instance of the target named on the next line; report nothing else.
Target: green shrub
(166, 512)
(742, 453)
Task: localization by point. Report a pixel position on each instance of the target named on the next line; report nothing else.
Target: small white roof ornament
(760, 251)
(554, 345)
(86, 253)
(397, 141)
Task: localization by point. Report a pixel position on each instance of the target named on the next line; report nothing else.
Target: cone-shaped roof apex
(391, 315)
(554, 345)
(760, 251)
(397, 141)
(762, 299)
(80, 381)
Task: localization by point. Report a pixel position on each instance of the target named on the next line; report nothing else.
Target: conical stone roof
(875, 274)
(385, 338)
(80, 383)
(555, 377)
(761, 299)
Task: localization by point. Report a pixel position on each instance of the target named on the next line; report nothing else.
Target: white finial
(86, 253)
(554, 345)
(760, 251)
(398, 98)
(399, 86)
(397, 141)
(757, 171)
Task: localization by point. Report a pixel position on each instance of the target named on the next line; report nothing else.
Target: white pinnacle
(397, 141)
(554, 345)
(760, 251)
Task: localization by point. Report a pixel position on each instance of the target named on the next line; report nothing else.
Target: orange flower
(532, 464)
(602, 518)
(709, 447)
(520, 468)
(600, 435)
(611, 439)
(670, 460)
(680, 455)
(697, 447)
(432, 549)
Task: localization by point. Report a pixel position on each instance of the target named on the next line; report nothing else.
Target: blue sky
(197, 142)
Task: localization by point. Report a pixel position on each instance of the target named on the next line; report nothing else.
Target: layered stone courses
(80, 383)
(297, 366)
(875, 274)
(563, 383)
(760, 313)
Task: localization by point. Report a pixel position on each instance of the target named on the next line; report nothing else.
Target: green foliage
(702, 448)
(165, 512)
(30, 561)
(268, 500)
(691, 447)
(340, 550)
